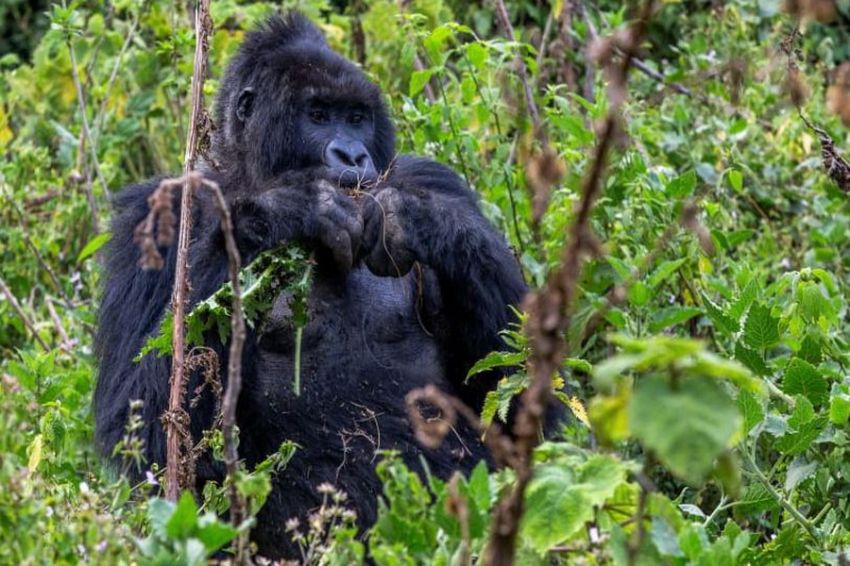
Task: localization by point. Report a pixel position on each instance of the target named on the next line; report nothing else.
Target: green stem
(781, 499)
(296, 382)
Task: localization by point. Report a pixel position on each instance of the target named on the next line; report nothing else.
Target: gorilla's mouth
(350, 177)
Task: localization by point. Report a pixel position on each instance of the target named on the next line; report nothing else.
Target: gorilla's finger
(340, 247)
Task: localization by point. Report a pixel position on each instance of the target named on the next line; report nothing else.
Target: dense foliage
(707, 379)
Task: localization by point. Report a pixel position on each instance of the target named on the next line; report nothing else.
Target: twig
(131, 34)
(21, 314)
(234, 371)
(777, 495)
(81, 102)
(66, 343)
(548, 317)
(39, 257)
(203, 27)
(522, 70)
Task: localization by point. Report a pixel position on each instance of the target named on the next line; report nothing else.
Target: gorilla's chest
(365, 334)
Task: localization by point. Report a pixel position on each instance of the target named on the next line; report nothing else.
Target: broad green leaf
(802, 378)
(671, 316)
(665, 538)
(736, 179)
(639, 294)
(722, 321)
(751, 409)
(761, 331)
(805, 428)
(664, 271)
(748, 296)
(687, 426)
(609, 416)
(418, 80)
(184, 519)
(477, 54)
(682, 186)
(751, 359)
(560, 498)
(839, 409)
(811, 350)
(214, 533)
(494, 360)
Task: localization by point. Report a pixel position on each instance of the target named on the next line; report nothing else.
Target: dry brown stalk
(548, 314)
(203, 28)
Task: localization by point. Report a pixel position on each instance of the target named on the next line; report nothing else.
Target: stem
(778, 496)
(296, 380)
(176, 415)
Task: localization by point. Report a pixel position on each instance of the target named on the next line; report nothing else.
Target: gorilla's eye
(356, 118)
(320, 116)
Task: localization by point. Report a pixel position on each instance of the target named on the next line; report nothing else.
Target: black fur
(377, 328)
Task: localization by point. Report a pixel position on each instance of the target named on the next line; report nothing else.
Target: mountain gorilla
(411, 286)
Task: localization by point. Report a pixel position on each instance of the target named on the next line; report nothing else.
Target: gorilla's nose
(350, 162)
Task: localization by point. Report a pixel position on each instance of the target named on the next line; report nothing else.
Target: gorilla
(411, 284)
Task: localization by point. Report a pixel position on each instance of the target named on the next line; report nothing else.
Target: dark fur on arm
(132, 307)
(479, 276)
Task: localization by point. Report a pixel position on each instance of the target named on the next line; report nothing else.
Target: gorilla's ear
(245, 104)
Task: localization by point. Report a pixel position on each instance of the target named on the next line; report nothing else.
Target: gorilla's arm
(432, 216)
(135, 301)
(132, 307)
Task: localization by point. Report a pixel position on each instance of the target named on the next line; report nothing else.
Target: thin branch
(81, 102)
(203, 27)
(21, 314)
(238, 512)
(131, 34)
(522, 70)
(778, 496)
(548, 316)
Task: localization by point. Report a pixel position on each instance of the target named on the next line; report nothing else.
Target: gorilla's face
(341, 133)
(290, 103)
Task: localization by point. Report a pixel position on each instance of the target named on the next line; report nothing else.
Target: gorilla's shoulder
(421, 172)
(136, 195)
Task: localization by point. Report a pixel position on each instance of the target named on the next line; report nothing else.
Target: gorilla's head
(288, 102)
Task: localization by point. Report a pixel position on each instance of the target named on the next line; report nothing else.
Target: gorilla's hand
(387, 246)
(313, 212)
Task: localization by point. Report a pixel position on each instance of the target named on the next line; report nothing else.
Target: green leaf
(477, 54)
(560, 499)
(805, 428)
(751, 359)
(722, 322)
(687, 426)
(213, 533)
(839, 409)
(494, 360)
(93, 246)
(639, 294)
(802, 378)
(418, 80)
(183, 521)
(664, 271)
(736, 179)
(810, 349)
(751, 409)
(761, 331)
(682, 186)
(748, 296)
(665, 538)
(671, 316)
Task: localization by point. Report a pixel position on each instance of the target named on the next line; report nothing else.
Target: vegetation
(708, 343)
